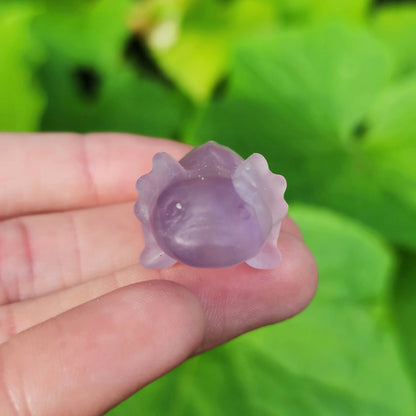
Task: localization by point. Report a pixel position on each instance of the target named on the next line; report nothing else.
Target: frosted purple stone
(210, 209)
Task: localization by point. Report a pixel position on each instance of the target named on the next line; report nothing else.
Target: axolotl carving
(211, 209)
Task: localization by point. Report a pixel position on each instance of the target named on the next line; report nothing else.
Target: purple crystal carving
(210, 209)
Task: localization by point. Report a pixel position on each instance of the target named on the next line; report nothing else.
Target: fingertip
(289, 226)
(182, 304)
(300, 272)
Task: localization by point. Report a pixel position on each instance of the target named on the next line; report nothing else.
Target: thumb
(90, 358)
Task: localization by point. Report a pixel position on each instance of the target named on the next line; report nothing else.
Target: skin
(82, 324)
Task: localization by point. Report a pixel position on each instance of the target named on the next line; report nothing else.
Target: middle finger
(40, 254)
(44, 253)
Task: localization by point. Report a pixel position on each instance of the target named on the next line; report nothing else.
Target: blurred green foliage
(22, 101)
(326, 90)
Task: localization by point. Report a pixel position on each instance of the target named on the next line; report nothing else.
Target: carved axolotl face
(210, 209)
(205, 223)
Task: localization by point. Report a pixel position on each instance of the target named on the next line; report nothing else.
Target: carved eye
(174, 210)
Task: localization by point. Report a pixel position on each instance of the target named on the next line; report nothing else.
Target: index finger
(61, 171)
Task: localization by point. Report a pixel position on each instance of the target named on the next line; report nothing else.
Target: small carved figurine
(210, 209)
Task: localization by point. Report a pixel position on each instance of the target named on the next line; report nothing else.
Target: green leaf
(192, 42)
(391, 140)
(304, 11)
(339, 357)
(320, 104)
(93, 34)
(126, 102)
(328, 75)
(404, 307)
(90, 83)
(22, 101)
(396, 26)
(38, 4)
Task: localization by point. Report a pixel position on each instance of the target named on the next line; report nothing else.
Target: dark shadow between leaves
(88, 82)
(139, 56)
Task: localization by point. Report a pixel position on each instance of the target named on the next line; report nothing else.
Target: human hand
(82, 324)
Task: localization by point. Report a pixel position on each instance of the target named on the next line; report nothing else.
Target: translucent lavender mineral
(210, 209)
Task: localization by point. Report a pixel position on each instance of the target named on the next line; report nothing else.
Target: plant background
(326, 90)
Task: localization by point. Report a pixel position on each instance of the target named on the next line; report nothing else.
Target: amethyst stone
(210, 209)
